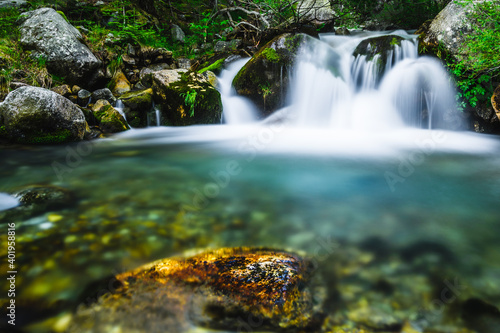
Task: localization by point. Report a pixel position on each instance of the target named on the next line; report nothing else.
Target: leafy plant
(190, 100)
(474, 72)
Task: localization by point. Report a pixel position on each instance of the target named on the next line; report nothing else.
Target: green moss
(59, 136)
(63, 15)
(213, 67)
(3, 132)
(271, 55)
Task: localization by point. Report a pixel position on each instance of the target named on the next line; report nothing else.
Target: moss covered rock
(136, 106)
(110, 120)
(220, 289)
(186, 98)
(264, 79)
(39, 116)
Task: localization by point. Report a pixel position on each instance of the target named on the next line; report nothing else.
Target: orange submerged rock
(243, 289)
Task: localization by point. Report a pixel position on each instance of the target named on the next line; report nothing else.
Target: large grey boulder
(47, 34)
(36, 115)
(449, 28)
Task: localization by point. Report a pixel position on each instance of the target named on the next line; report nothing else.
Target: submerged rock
(47, 34)
(36, 115)
(227, 289)
(186, 98)
(37, 199)
(264, 79)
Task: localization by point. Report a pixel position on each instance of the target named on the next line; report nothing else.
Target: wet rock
(119, 84)
(63, 90)
(46, 33)
(137, 104)
(109, 119)
(177, 34)
(84, 97)
(495, 101)
(378, 49)
(264, 79)
(128, 60)
(39, 116)
(186, 98)
(37, 199)
(224, 289)
(104, 93)
(481, 316)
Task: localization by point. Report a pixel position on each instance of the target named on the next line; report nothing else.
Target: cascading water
(119, 107)
(237, 110)
(384, 90)
(347, 82)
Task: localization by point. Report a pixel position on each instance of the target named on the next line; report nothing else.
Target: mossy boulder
(264, 79)
(218, 290)
(186, 98)
(136, 106)
(34, 115)
(110, 120)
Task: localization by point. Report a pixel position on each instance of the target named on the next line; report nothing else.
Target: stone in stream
(229, 289)
(37, 199)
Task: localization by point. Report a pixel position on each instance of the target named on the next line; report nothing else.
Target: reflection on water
(403, 219)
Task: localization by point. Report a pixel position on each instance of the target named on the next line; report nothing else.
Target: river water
(405, 207)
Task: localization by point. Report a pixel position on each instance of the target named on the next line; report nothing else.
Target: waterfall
(119, 107)
(367, 81)
(384, 91)
(154, 116)
(237, 110)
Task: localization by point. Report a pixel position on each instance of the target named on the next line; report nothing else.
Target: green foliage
(271, 55)
(190, 100)
(8, 17)
(215, 66)
(475, 71)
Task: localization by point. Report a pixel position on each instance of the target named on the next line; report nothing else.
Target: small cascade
(347, 82)
(237, 110)
(119, 107)
(154, 116)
